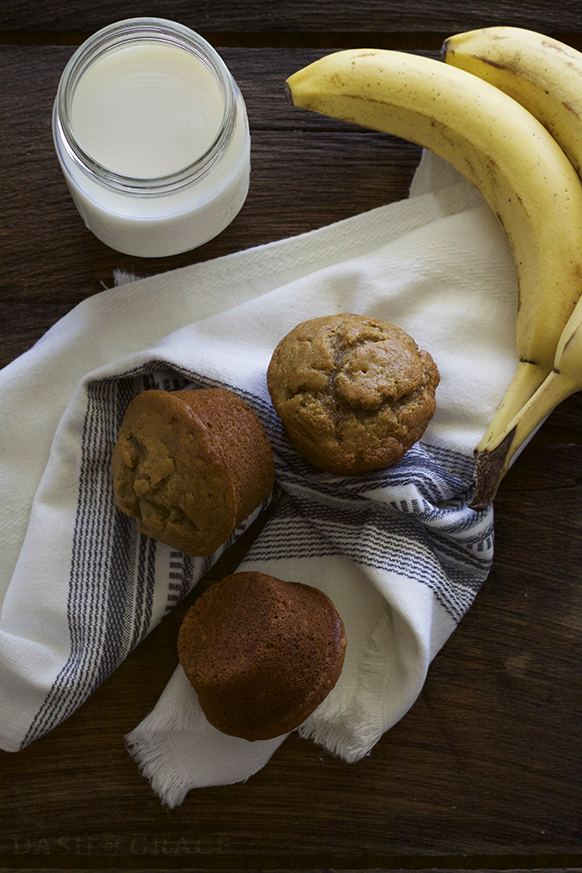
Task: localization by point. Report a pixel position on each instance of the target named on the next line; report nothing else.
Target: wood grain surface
(297, 16)
(485, 770)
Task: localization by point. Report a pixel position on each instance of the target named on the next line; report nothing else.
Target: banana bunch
(544, 76)
(521, 170)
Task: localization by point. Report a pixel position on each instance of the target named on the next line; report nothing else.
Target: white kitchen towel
(398, 551)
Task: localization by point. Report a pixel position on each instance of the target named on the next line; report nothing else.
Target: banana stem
(493, 462)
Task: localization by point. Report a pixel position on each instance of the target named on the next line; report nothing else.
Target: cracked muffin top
(190, 466)
(354, 393)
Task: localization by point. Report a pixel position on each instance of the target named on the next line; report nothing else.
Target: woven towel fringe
(150, 752)
(176, 749)
(153, 743)
(376, 708)
(123, 277)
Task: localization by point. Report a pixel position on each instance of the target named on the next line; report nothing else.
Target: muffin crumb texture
(261, 653)
(354, 393)
(190, 466)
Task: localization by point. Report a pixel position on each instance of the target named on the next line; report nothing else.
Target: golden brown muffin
(353, 393)
(261, 653)
(191, 465)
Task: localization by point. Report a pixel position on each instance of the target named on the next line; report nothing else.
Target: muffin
(261, 653)
(190, 466)
(353, 393)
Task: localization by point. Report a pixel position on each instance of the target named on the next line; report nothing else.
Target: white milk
(152, 137)
(147, 110)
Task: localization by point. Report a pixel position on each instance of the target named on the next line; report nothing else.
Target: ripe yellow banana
(541, 73)
(544, 75)
(508, 154)
(565, 379)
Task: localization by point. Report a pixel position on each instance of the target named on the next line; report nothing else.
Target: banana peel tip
(490, 469)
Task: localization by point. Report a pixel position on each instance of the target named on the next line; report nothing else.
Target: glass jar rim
(139, 30)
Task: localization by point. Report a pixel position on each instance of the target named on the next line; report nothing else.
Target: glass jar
(152, 135)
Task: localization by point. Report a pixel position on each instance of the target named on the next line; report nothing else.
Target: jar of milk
(151, 132)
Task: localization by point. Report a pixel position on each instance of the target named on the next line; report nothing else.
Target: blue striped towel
(398, 551)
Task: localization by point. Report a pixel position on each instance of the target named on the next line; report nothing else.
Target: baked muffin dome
(190, 466)
(353, 393)
(261, 653)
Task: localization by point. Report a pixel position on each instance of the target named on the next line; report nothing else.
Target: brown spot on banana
(499, 65)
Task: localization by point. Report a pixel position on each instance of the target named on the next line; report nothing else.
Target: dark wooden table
(485, 771)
